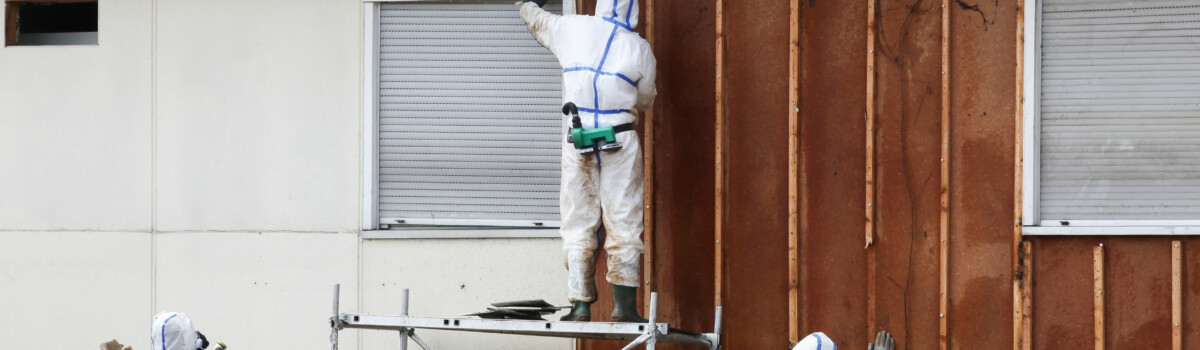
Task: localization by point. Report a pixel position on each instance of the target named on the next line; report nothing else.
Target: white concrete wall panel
(74, 290)
(258, 115)
(75, 144)
(455, 277)
(258, 291)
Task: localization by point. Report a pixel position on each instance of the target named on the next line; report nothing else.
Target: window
(48, 22)
(464, 117)
(1112, 117)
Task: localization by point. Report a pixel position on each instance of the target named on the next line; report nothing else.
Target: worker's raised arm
(645, 86)
(542, 23)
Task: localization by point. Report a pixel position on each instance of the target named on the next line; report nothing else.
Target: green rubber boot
(625, 308)
(580, 312)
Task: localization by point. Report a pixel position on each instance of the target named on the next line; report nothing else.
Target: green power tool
(590, 141)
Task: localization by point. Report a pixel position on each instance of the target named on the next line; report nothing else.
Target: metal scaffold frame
(647, 334)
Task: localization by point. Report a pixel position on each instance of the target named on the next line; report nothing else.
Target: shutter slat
(1130, 18)
(441, 193)
(1140, 35)
(457, 119)
(469, 114)
(1133, 109)
(1176, 156)
(1115, 8)
(497, 70)
(475, 62)
(479, 79)
(489, 186)
(396, 52)
(1122, 94)
(459, 174)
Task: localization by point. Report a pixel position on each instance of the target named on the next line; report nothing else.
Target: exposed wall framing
(719, 185)
(1098, 293)
(648, 162)
(1021, 280)
(794, 173)
(944, 234)
(1024, 319)
(1176, 295)
(869, 215)
(12, 12)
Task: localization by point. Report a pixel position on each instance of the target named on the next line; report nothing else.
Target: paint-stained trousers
(610, 193)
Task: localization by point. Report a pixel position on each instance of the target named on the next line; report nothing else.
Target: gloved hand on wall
(883, 341)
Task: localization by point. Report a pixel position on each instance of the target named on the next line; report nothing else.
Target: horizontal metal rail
(636, 333)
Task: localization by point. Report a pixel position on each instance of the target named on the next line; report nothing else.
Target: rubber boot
(580, 312)
(625, 305)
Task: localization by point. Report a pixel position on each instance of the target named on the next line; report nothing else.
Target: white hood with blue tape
(172, 331)
(608, 72)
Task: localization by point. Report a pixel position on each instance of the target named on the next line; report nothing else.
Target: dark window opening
(65, 22)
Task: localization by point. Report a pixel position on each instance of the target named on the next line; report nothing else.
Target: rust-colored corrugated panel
(832, 133)
(1062, 292)
(1191, 293)
(588, 8)
(755, 227)
(1137, 280)
(684, 34)
(982, 76)
(907, 148)
(684, 115)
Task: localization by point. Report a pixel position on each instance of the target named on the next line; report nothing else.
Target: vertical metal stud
(404, 312)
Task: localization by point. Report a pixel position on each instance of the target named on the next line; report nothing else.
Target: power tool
(591, 141)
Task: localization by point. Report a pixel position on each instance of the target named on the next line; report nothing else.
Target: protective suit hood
(622, 12)
(816, 341)
(172, 331)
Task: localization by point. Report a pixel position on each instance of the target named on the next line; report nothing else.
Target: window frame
(12, 9)
(1031, 222)
(370, 221)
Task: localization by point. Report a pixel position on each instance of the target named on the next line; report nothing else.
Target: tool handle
(570, 109)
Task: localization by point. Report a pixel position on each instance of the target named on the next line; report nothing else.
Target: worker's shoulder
(634, 41)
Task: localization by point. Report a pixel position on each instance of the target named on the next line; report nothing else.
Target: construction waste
(114, 345)
(519, 310)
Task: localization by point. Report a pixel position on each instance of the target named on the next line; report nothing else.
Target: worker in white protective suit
(608, 72)
(817, 341)
(173, 331)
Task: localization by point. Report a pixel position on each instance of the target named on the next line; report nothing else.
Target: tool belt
(617, 129)
(589, 141)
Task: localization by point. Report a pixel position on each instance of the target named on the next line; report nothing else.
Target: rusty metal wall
(833, 284)
(907, 146)
(754, 273)
(833, 267)
(1138, 284)
(684, 117)
(982, 111)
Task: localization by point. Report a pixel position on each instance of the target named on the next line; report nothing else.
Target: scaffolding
(647, 334)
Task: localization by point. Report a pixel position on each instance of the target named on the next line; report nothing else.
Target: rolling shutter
(1120, 110)
(470, 124)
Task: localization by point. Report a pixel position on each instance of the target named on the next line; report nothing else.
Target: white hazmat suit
(608, 72)
(172, 331)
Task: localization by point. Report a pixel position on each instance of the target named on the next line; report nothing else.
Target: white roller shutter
(469, 116)
(1120, 110)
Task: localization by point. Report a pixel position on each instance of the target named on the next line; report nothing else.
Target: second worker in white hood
(608, 72)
